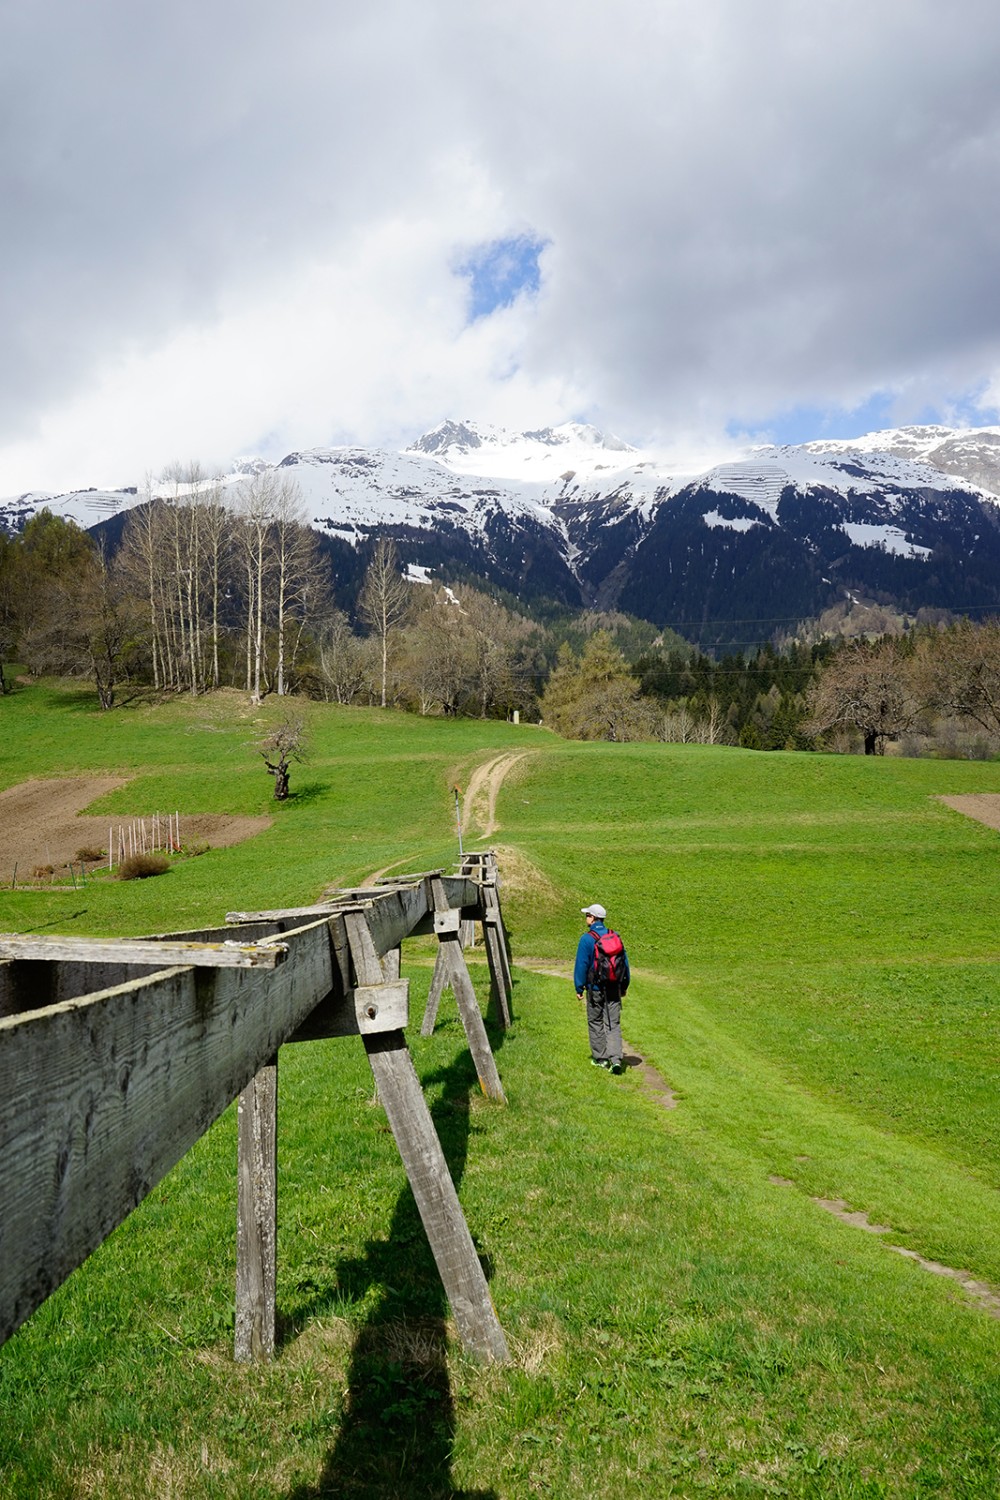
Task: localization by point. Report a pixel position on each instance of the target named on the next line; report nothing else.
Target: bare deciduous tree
(870, 687)
(383, 601)
(960, 668)
(279, 749)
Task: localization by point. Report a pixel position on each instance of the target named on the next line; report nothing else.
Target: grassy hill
(813, 940)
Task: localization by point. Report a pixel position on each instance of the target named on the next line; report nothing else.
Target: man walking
(602, 975)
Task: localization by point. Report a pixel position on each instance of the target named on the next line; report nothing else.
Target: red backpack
(608, 965)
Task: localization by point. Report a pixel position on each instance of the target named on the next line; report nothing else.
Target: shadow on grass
(302, 793)
(75, 700)
(398, 1420)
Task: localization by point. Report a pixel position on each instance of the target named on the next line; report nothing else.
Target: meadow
(815, 958)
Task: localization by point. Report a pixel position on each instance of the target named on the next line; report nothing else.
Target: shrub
(88, 855)
(42, 872)
(141, 866)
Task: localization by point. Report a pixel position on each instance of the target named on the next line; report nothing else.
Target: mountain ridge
(580, 517)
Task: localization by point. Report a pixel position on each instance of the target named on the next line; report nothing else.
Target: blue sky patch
(803, 424)
(500, 271)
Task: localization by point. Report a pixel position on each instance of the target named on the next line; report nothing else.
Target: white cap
(594, 910)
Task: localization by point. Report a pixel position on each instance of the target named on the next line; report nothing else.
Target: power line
(965, 609)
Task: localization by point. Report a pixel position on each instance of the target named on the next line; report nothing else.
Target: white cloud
(231, 225)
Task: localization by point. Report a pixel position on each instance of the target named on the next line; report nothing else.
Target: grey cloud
(152, 156)
(769, 204)
(747, 206)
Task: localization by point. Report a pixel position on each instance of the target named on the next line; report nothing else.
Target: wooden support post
(500, 983)
(437, 1201)
(257, 1216)
(472, 1018)
(491, 899)
(448, 1233)
(455, 972)
(438, 982)
(392, 962)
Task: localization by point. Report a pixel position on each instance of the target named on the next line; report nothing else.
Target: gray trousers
(604, 1023)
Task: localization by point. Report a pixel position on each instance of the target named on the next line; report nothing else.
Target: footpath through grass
(815, 978)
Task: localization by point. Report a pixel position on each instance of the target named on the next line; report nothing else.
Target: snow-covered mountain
(970, 453)
(910, 517)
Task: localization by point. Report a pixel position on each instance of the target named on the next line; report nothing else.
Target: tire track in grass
(652, 1081)
(480, 801)
(654, 1086)
(987, 1296)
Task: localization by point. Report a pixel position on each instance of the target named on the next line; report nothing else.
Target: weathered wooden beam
(30, 984)
(282, 913)
(102, 1095)
(257, 1216)
(500, 984)
(148, 952)
(392, 962)
(427, 1170)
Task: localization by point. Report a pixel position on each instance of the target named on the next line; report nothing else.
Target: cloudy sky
(234, 227)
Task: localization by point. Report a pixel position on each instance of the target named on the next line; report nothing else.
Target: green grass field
(815, 956)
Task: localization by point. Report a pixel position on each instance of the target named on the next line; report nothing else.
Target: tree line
(933, 690)
(210, 588)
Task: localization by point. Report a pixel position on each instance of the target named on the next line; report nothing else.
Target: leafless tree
(343, 669)
(960, 669)
(279, 749)
(383, 601)
(869, 686)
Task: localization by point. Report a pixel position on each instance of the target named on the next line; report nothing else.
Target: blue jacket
(585, 957)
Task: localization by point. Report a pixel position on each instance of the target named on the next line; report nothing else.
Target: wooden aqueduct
(117, 1055)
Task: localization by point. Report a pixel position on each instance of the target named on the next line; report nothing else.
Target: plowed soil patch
(41, 823)
(983, 806)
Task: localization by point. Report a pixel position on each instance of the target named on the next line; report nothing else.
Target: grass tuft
(143, 866)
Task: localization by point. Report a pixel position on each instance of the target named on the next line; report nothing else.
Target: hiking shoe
(599, 1062)
(615, 1065)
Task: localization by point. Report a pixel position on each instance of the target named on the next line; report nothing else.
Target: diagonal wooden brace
(427, 1170)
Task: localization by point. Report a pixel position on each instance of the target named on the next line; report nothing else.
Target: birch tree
(383, 600)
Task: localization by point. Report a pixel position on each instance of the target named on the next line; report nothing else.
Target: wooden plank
(498, 992)
(32, 984)
(257, 1216)
(392, 962)
(437, 1201)
(100, 1096)
(393, 914)
(151, 953)
(282, 913)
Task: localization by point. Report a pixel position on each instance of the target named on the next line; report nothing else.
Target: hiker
(602, 974)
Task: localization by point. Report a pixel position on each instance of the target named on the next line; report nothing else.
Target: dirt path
(41, 823)
(479, 806)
